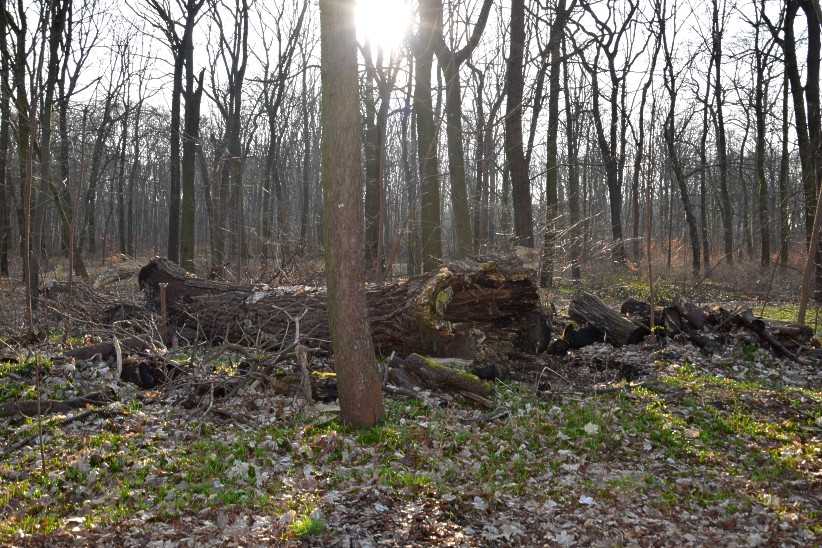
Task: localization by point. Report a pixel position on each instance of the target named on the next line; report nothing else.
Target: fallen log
(678, 322)
(30, 408)
(760, 329)
(468, 308)
(619, 330)
(418, 371)
(105, 350)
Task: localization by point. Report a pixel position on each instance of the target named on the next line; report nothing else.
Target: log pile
(708, 328)
(711, 327)
(469, 308)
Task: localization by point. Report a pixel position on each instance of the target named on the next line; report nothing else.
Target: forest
(410, 273)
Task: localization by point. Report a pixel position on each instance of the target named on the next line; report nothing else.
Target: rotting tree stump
(472, 308)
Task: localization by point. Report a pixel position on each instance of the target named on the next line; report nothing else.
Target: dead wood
(760, 328)
(105, 350)
(30, 408)
(420, 372)
(619, 330)
(466, 309)
(677, 321)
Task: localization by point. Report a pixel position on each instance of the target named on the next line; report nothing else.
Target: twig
(546, 368)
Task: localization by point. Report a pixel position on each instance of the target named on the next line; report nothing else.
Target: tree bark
(784, 173)
(358, 378)
(573, 112)
(5, 122)
(725, 208)
(517, 166)
(552, 167)
(430, 227)
(450, 62)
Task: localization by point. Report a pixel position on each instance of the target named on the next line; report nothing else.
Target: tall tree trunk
(760, 93)
(174, 162)
(552, 167)
(407, 130)
(640, 150)
(306, 166)
(193, 97)
(517, 166)
(814, 52)
(5, 122)
(25, 138)
(430, 227)
(703, 175)
(456, 155)
(573, 112)
(358, 379)
(673, 153)
(784, 173)
(120, 182)
(721, 147)
(747, 237)
(450, 62)
(373, 183)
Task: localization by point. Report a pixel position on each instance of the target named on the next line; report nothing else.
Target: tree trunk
(306, 166)
(174, 162)
(430, 226)
(573, 113)
(373, 182)
(721, 146)
(703, 164)
(456, 155)
(760, 93)
(784, 173)
(552, 168)
(5, 123)
(673, 153)
(358, 378)
(193, 97)
(412, 236)
(517, 166)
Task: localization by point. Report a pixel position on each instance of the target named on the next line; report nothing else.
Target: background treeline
(689, 131)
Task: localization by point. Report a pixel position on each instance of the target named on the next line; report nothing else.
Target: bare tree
(672, 135)
(430, 228)
(608, 36)
(450, 61)
(357, 376)
(726, 211)
(551, 171)
(517, 164)
(182, 50)
(5, 136)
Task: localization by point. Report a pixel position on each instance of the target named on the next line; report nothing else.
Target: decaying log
(693, 322)
(30, 408)
(760, 328)
(105, 350)
(678, 322)
(466, 309)
(695, 315)
(418, 371)
(619, 330)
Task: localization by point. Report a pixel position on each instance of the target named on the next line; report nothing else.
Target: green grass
(307, 526)
(755, 437)
(788, 312)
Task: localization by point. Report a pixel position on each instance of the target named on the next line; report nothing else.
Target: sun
(383, 24)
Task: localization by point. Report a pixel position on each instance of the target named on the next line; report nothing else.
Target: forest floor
(686, 449)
